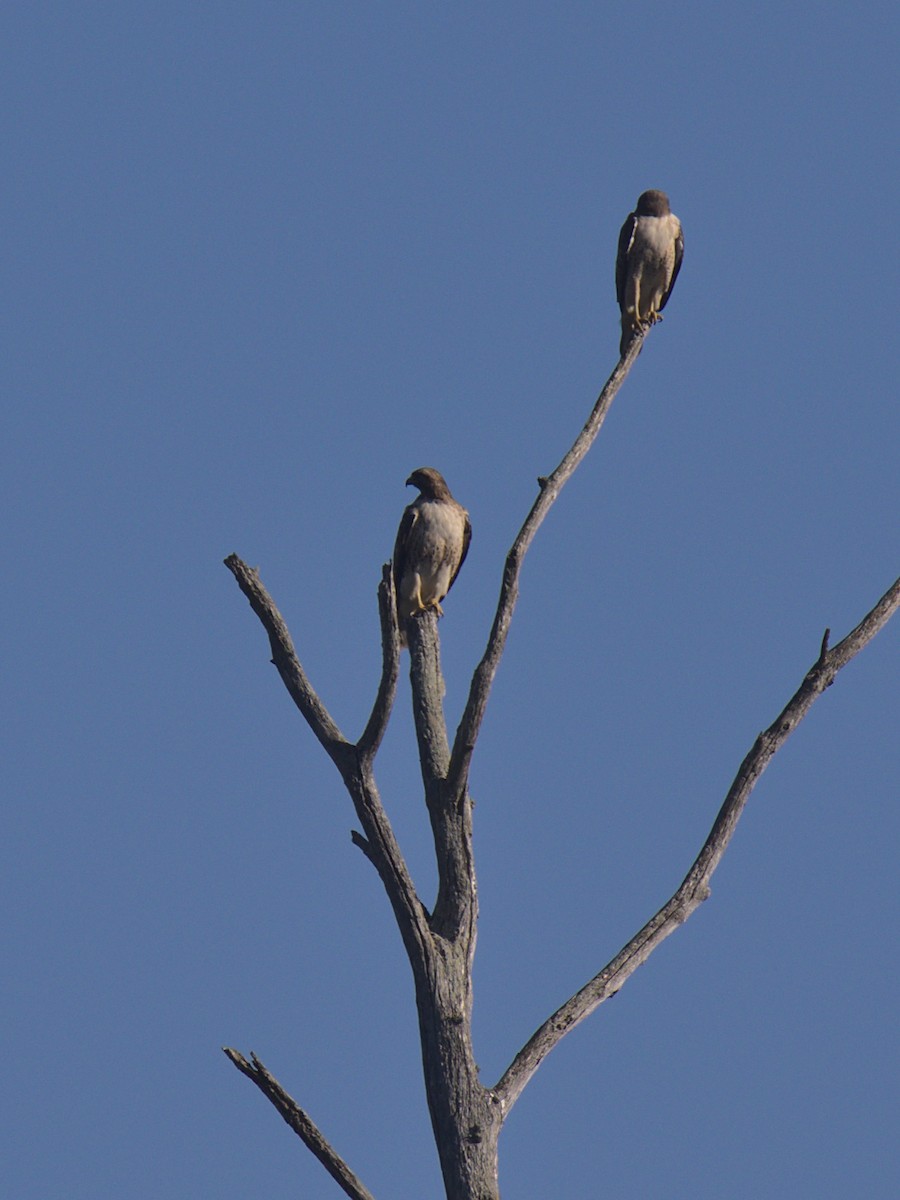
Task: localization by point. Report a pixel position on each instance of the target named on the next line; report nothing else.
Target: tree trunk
(465, 1116)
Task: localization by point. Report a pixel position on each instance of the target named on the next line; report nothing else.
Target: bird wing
(679, 255)
(626, 237)
(466, 539)
(410, 514)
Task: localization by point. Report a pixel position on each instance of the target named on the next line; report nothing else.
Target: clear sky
(262, 260)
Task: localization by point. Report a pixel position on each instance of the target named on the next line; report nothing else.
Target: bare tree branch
(466, 1117)
(355, 768)
(390, 668)
(380, 846)
(301, 1124)
(285, 659)
(456, 907)
(427, 683)
(695, 888)
(550, 487)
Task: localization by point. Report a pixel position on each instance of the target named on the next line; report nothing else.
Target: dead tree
(466, 1114)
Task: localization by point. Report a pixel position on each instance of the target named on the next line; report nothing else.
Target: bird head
(430, 483)
(653, 203)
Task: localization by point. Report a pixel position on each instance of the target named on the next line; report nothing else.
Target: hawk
(651, 247)
(431, 546)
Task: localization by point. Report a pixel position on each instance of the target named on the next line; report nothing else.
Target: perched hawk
(651, 248)
(432, 543)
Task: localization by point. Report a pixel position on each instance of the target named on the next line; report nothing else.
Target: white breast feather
(433, 550)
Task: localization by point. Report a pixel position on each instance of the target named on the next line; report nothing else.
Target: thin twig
(390, 668)
(301, 1124)
(695, 888)
(550, 487)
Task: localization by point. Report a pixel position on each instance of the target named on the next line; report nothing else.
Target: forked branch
(353, 762)
(695, 888)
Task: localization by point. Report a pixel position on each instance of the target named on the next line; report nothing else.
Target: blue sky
(260, 262)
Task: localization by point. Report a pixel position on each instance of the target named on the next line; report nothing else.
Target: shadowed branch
(390, 667)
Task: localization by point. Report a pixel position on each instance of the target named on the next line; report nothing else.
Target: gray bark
(467, 1116)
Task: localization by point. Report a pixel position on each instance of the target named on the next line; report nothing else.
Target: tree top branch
(550, 487)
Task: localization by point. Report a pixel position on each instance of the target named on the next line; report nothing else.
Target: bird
(651, 247)
(431, 546)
